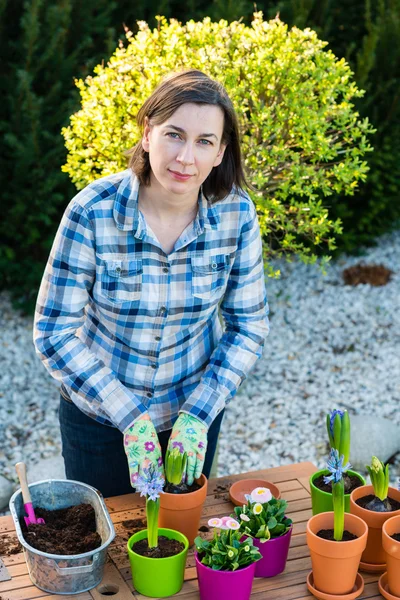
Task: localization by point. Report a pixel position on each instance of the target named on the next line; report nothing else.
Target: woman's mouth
(179, 176)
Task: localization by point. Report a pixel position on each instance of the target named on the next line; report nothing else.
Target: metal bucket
(73, 573)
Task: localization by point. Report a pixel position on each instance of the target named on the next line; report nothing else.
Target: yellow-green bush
(301, 137)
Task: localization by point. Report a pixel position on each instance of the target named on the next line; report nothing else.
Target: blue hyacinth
(335, 466)
(150, 483)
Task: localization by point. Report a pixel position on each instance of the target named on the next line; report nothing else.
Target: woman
(127, 312)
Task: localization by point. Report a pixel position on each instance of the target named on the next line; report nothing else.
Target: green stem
(152, 510)
(338, 510)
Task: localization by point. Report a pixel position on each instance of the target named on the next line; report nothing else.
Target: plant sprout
(338, 427)
(150, 485)
(379, 474)
(336, 468)
(175, 466)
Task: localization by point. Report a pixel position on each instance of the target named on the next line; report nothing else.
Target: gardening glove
(142, 447)
(190, 436)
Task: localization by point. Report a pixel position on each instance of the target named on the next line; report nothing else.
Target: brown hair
(193, 86)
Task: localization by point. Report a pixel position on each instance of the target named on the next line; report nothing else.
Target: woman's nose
(186, 155)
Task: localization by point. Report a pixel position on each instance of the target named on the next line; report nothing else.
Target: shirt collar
(126, 210)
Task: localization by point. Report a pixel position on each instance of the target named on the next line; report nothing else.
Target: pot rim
(161, 530)
(190, 494)
(225, 573)
(348, 517)
(387, 524)
(370, 488)
(326, 471)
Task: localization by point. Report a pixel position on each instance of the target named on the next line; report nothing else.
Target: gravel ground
(330, 346)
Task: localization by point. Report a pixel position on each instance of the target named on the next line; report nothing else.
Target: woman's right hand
(142, 447)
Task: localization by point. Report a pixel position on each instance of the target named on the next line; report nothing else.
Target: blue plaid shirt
(128, 329)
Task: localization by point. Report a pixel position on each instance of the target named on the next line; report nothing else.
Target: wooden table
(292, 480)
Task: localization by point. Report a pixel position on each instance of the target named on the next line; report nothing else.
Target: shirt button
(214, 265)
(163, 310)
(157, 338)
(165, 269)
(149, 395)
(118, 269)
(153, 366)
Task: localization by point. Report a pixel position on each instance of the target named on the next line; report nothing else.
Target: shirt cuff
(204, 403)
(123, 408)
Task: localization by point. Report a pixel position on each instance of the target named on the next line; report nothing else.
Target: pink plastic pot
(224, 585)
(274, 555)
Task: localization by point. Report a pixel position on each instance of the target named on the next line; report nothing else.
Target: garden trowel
(26, 495)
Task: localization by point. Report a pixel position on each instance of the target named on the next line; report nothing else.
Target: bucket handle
(77, 569)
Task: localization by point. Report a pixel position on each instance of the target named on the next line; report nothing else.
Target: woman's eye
(207, 142)
(173, 133)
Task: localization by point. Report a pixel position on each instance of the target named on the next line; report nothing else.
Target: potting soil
(9, 545)
(171, 488)
(165, 548)
(396, 536)
(351, 482)
(327, 534)
(369, 503)
(69, 530)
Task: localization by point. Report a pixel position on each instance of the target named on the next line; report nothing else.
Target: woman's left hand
(190, 435)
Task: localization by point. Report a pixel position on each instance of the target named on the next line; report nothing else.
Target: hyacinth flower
(337, 469)
(175, 466)
(150, 484)
(338, 427)
(379, 474)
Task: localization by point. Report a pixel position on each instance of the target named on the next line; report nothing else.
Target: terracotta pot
(335, 564)
(374, 553)
(392, 550)
(182, 512)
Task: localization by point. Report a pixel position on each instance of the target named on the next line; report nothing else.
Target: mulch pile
(376, 275)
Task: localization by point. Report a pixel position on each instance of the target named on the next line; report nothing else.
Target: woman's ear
(220, 155)
(146, 134)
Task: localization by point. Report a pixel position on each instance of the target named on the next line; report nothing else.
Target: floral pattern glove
(190, 436)
(142, 448)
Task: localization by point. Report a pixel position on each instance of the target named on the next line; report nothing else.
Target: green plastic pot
(158, 577)
(322, 501)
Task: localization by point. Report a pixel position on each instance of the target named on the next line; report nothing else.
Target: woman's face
(184, 149)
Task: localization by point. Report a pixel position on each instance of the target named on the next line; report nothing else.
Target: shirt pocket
(121, 280)
(209, 275)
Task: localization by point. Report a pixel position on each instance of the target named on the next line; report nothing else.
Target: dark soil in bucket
(373, 503)
(351, 482)
(165, 548)
(376, 275)
(396, 536)
(69, 530)
(204, 529)
(182, 488)
(327, 534)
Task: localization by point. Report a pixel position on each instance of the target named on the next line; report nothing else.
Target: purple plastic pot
(224, 585)
(274, 555)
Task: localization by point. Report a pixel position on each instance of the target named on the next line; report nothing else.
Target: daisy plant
(150, 484)
(226, 551)
(264, 516)
(337, 469)
(338, 427)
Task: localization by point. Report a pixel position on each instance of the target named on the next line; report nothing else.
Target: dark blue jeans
(94, 453)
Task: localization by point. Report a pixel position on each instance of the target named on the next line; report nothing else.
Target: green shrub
(302, 138)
